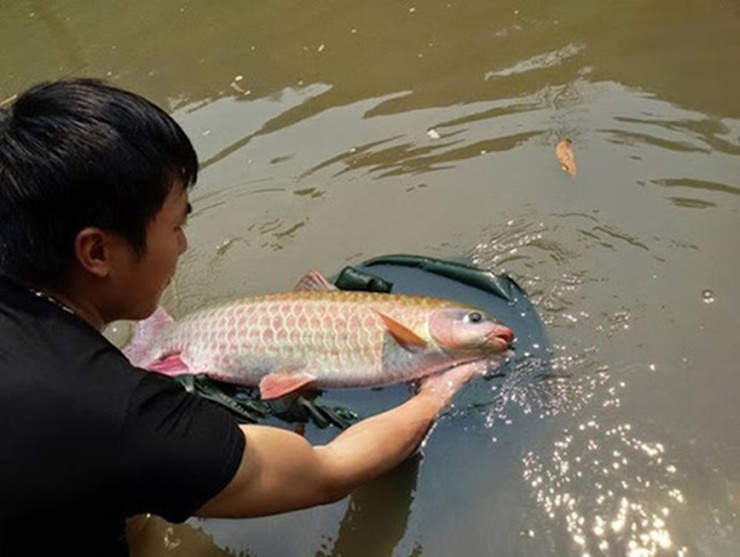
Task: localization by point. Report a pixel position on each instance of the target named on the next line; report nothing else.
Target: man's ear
(93, 251)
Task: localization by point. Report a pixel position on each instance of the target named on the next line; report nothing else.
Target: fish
(317, 336)
(564, 153)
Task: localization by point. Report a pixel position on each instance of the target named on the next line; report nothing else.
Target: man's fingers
(447, 384)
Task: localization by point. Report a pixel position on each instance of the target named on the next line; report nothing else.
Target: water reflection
(373, 524)
(614, 492)
(155, 536)
(377, 515)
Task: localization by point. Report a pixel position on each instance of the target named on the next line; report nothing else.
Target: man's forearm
(377, 444)
(280, 471)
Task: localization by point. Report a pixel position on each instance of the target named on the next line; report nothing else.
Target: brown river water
(331, 132)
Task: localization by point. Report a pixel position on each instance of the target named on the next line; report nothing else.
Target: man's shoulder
(51, 358)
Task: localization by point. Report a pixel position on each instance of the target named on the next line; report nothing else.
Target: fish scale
(337, 335)
(326, 338)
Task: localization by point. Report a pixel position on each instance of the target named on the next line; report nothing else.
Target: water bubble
(707, 296)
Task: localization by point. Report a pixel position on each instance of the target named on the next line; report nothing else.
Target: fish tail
(139, 347)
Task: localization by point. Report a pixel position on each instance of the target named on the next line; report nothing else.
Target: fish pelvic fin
(314, 281)
(402, 334)
(137, 350)
(171, 365)
(277, 384)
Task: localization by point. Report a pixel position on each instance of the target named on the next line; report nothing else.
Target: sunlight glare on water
(609, 488)
(329, 133)
(614, 490)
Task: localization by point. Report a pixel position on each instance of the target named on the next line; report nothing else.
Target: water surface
(332, 132)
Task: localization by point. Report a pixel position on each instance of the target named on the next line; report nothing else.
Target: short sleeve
(178, 450)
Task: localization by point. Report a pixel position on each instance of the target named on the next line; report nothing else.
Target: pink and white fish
(320, 337)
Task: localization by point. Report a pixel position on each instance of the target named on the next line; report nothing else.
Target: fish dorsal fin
(403, 335)
(314, 281)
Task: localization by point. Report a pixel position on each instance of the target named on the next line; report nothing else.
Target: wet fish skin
(329, 339)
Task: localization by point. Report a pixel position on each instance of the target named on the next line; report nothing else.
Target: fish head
(465, 329)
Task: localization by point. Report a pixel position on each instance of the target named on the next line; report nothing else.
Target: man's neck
(83, 308)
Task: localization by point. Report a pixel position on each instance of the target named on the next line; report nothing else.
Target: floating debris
(224, 246)
(8, 101)
(564, 152)
(236, 87)
(433, 134)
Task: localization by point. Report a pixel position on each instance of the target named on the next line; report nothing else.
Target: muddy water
(336, 131)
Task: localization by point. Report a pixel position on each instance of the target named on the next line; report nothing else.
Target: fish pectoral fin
(314, 281)
(277, 384)
(402, 334)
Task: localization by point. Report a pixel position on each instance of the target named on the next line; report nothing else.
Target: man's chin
(141, 313)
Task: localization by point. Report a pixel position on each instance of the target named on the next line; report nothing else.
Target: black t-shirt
(87, 440)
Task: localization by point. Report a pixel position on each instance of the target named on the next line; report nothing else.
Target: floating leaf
(564, 152)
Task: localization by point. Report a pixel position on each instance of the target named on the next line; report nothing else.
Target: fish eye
(475, 317)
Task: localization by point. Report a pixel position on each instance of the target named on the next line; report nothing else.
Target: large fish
(321, 337)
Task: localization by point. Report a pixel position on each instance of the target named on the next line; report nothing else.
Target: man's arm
(280, 471)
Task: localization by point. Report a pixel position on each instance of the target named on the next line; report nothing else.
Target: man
(94, 186)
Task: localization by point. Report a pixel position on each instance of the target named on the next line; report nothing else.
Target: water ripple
(539, 62)
(545, 389)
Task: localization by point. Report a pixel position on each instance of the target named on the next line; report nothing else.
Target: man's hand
(442, 387)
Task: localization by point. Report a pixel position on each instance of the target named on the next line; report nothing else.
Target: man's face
(141, 280)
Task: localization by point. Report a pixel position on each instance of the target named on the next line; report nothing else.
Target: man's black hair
(79, 153)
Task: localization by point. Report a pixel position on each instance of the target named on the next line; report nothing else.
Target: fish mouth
(499, 343)
(501, 338)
